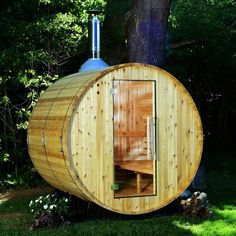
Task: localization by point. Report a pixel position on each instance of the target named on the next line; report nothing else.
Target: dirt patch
(10, 215)
(22, 193)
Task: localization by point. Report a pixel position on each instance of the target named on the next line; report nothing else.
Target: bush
(49, 211)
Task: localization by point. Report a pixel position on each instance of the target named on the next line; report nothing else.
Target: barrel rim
(95, 78)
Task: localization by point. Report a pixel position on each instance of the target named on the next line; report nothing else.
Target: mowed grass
(221, 195)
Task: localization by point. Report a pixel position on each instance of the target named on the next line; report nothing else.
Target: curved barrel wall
(71, 137)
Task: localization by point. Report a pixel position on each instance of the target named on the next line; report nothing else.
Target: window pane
(134, 138)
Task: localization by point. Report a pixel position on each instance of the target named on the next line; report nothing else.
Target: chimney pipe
(94, 33)
(94, 62)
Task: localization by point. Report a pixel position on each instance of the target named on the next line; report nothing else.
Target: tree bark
(146, 29)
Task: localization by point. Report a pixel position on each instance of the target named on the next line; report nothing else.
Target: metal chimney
(95, 62)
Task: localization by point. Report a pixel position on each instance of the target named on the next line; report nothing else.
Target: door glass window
(134, 138)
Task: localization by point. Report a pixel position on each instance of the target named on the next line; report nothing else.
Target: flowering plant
(49, 210)
(51, 204)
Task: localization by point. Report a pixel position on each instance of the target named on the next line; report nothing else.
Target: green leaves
(30, 79)
(36, 85)
(39, 40)
(202, 57)
(44, 36)
(50, 204)
(45, 1)
(4, 157)
(5, 100)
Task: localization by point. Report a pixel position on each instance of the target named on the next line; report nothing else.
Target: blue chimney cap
(93, 64)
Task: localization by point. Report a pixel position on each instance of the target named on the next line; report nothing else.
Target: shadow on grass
(140, 225)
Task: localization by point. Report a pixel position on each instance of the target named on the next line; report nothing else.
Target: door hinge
(115, 187)
(113, 91)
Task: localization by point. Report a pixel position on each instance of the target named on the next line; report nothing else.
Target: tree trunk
(146, 28)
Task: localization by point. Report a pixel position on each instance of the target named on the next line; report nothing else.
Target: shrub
(49, 211)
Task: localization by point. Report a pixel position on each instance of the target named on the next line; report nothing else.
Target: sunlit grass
(223, 222)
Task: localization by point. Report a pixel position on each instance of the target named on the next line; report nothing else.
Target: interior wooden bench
(139, 167)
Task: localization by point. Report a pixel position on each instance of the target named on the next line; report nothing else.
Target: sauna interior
(134, 138)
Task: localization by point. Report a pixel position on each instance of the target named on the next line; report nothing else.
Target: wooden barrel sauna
(128, 138)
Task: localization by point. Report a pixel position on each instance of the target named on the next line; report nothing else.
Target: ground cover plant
(49, 211)
(16, 218)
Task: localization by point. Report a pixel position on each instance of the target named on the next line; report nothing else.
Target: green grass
(221, 195)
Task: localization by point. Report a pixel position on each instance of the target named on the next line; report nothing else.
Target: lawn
(15, 218)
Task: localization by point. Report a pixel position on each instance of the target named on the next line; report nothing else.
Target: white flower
(48, 196)
(66, 200)
(32, 210)
(36, 200)
(31, 202)
(45, 207)
(52, 206)
(40, 201)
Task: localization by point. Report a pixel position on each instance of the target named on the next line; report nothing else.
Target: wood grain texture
(71, 137)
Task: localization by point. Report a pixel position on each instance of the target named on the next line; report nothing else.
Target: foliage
(43, 35)
(39, 42)
(201, 54)
(50, 210)
(29, 178)
(15, 112)
(50, 204)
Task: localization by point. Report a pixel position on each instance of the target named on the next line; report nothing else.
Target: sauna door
(134, 138)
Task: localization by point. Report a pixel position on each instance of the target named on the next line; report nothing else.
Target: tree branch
(186, 43)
